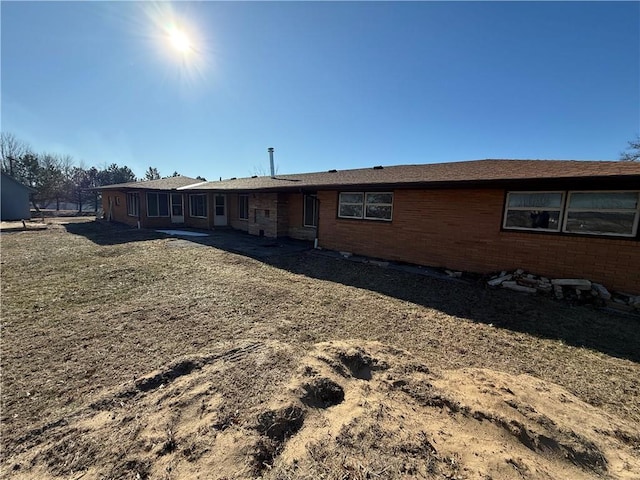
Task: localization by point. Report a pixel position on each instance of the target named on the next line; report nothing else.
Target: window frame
(636, 219)
(243, 208)
(340, 203)
(565, 210)
(364, 204)
(205, 205)
(381, 204)
(157, 195)
(314, 198)
(534, 229)
(133, 205)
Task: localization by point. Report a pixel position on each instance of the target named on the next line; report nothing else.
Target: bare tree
(11, 149)
(633, 153)
(262, 171)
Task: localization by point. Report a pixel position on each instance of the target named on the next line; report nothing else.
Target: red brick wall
(232, 213)
(460, 230)
(198, 222)
(296, 220)
(119, 207)
(282, 211)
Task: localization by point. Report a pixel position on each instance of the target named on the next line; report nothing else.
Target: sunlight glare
(179, 40)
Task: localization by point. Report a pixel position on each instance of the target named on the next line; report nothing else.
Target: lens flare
(172, 31)
(180, 40)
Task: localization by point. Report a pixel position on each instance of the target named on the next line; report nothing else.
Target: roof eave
(607, 181)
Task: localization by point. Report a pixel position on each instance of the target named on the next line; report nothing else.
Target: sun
(180, 40)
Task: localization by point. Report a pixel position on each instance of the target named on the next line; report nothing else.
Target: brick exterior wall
(118, 207)
(296, 219)
(119, 211)
(234, 221)
(198, 222)
(460, 230)
(263, 214)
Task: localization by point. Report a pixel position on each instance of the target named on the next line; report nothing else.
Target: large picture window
(243, 207)
(602, 213)
(133, 204)
(157, 204)
(533, 211)
(198, 205)
(591, 213)
(310, 211)
(366, 205)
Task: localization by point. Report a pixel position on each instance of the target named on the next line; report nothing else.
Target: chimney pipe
(273, 173)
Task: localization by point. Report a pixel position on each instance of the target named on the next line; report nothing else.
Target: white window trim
(136, 204)
(243, 195)
(381, 204)
(363, 205)
(634, 230)
(304, 210)
(526, 209)
(157, 194)
(565, 209)
(206, 206)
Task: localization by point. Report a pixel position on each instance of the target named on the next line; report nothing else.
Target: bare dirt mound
(348, 410)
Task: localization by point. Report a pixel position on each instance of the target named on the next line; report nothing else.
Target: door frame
(176, 218)
(219, 220)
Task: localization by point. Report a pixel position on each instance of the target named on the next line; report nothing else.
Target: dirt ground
(124, 356)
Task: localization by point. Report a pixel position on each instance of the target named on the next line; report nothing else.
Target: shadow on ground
(580, 326)
(103, 233)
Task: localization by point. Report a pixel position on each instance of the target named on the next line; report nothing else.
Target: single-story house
(151, 204)
(15, 199)
(555, 218)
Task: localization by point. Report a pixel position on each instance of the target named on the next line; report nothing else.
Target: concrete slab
(242, 243)
(183, 233)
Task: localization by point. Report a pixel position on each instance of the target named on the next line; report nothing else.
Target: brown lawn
(126, 354)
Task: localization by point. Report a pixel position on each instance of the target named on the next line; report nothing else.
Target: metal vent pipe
(273, 173)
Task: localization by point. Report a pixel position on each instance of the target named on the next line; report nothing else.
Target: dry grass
(85, 314)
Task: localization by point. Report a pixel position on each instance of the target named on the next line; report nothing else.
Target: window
(176, 205)
(310, 208)
(602, 213)
(378, 206)
(533, 211)
(198, 206)
(219, 205)
(367, 205)
(133, 204)
(350, 205)
(157, 205)
(243, 207)
(591, 213)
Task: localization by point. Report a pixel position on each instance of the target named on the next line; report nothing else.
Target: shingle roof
(169, 183)
(455, 173)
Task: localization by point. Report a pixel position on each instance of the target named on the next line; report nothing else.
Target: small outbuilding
(15, 199)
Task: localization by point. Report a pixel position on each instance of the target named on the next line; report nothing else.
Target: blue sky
(328, 84)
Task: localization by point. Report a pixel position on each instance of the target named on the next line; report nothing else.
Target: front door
(220, 210)
(177, 208)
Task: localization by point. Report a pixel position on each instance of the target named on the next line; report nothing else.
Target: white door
(177, 208)
(220, 210)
